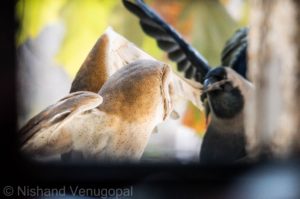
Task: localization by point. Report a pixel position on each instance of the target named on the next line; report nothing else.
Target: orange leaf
(195, 119)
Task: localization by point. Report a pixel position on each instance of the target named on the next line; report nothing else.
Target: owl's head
(140, 91)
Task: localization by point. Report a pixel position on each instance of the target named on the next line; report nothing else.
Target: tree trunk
(273, 119)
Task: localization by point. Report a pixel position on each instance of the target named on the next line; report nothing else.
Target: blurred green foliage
(84, 22)
(33, 15)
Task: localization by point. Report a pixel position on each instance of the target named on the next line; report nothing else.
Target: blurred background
(55, 36)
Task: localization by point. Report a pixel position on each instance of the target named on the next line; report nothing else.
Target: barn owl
(117, 98)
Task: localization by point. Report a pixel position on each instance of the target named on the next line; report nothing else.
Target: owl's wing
(123, 52)
(42, 128)
(188, 90)
(187, 58)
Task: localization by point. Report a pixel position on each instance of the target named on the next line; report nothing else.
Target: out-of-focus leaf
(195, 119)
(85, 21)
(34, 15)
(238, 9)
(245, 13)
(212, 28)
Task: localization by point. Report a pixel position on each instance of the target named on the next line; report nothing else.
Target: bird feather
(169, 40)
(54, 117)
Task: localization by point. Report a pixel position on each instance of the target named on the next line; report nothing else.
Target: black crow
(225, 88)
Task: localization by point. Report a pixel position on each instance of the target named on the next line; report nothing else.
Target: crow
(225, 88)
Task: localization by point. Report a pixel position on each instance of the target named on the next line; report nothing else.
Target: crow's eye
(220, 77)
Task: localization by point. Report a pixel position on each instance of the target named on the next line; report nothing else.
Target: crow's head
(223, 91)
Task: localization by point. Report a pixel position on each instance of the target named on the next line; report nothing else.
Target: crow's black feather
(170, 41)
(234, 53)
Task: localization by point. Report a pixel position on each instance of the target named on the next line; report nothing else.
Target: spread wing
(187, 58)
(123, 52)
(49, 121)
(234, 53)
(188, 90)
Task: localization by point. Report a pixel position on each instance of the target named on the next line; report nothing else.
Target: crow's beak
(211, 84)
(208, 82)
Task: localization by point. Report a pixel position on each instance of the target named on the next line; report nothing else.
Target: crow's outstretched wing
(187, 58)
(234, 53)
